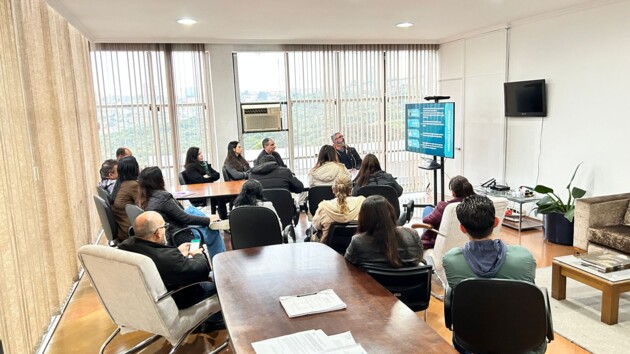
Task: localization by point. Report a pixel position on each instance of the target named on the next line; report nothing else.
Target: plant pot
(557, 229)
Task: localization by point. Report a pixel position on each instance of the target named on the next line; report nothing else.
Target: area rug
(577, 318)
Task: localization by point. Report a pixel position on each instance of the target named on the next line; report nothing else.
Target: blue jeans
(211, 238)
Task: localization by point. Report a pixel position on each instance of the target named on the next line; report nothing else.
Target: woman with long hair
(371, 174)
(378, 240)
(327, 167)
(460, 188)
(343, 209)
(125, 192)
(153, 197)
(236, 167)
(197, 170)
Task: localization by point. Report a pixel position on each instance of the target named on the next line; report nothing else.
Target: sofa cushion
(616, 237)
(626, 219)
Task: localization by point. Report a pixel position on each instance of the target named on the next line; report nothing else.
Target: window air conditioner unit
(261, 117)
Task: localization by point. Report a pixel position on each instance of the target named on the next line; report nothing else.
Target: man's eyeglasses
(165, 226)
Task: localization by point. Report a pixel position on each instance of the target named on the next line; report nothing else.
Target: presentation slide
(430, 128)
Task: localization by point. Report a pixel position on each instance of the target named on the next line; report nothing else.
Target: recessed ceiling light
(404, 24)
(186, 21)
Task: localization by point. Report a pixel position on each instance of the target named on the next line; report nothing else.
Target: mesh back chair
(318, 194)
(450, 236)
(133, 211)
(254, 226)
(285, 207)
(340, 235)
(181, 178)
(133, 294)
(110, 227)
(411, 285)
(386, 191)
(104, 194)
(516, 315)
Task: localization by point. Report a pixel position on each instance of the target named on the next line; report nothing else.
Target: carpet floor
(577, 318)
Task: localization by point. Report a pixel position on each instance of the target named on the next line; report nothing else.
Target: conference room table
(207, 190)
(250, 282)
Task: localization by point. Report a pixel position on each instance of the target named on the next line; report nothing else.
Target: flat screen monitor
(430, 128)
(525, 98)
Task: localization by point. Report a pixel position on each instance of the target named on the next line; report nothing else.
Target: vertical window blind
(152, 99)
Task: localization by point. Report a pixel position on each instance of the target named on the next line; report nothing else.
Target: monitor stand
(434, 165)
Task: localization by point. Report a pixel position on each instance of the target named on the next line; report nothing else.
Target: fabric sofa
(599, 224)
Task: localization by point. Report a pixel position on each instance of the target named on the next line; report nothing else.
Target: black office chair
(110, 227)
(411, 285)
(184, 235)
(226, 175)
(104, 194)
(254, 226)
(181, 178)
(285, 207)
(516, 315)
(340, 235)
(386, 191)
(317, 194)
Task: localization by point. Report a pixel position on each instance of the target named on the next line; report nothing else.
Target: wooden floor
(85, 326)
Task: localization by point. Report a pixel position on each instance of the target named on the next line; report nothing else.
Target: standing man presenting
(347, 155)
(269, 148)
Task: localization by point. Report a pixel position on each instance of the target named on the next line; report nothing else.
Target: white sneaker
(220, 225)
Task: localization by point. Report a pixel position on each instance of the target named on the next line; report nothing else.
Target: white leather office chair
(135, 298)
(450, 236)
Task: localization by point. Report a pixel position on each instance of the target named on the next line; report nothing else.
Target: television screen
(525, 98)
(430, 128)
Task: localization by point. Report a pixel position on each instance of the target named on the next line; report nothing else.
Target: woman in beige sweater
(344, 208)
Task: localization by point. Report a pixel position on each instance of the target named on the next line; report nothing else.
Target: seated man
(177, 266)
(270, 175)
(483, 257)
(269, 149)
(122, 152)
(347, 154)
(109, 175)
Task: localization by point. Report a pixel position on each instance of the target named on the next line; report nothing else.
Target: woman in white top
(344, 208)
(251, 194)
(327, 168)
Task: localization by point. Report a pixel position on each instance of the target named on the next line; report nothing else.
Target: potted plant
(558, 215)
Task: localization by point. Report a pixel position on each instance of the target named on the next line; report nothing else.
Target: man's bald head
(147, 223)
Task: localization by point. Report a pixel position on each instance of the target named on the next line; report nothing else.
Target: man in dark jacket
(270, 175)
(178, 266)
(347, 154)
(269, 149)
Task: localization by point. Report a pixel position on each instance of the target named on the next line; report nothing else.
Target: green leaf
(548, 209)
(569, 214)
(572, 177)
(577, 192)
(542, 189)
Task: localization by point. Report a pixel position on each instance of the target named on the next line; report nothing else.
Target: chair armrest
(419, 225)
(550, 334)
(448, 293)
(162, 297)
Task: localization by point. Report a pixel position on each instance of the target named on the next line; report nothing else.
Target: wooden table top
(250, 282)
(207, 190)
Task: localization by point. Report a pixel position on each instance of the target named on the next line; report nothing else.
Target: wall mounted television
(430, 128)
(525, 98)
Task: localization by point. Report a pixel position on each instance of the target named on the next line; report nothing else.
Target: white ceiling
(298, 21)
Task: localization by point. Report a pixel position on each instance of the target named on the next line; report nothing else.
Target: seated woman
(235, 165)
(251, 194)
(125, 192)
(460, 188)
(153, 197)
(197, 170)
(379, 241)
(327, 167)
(342, 209)
(371, 174)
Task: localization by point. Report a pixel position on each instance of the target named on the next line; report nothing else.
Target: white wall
(472, 72)
(585, 58)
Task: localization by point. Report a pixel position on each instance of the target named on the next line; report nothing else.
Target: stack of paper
(310, 342)
(307, 304)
